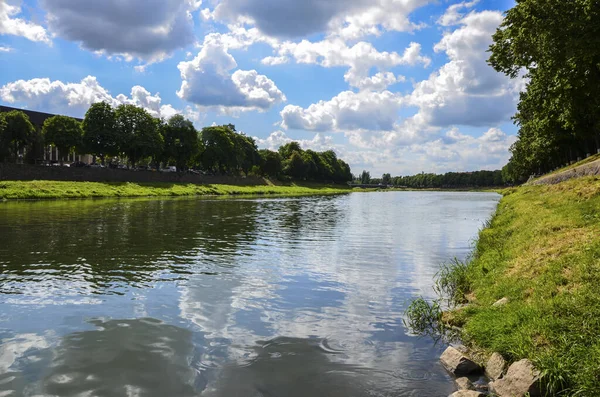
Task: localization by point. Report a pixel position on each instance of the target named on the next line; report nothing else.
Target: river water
(195, 297)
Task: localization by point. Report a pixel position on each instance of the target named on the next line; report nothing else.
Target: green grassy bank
(541, 250)
(24, 190)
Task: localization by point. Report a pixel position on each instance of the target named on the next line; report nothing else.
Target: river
(277, 297)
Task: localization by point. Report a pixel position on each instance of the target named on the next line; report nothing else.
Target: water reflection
(324, 281)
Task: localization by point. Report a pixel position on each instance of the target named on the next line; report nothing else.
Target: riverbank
(37, 190)
(541, 251)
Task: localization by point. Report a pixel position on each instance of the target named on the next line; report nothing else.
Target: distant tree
(17, 133)
(365, 177)
(246, 152)
(295, 166)
(101, 137)
(386, 179)
(64, 133)
(286, 150)
(140, 133)
(181, 141)
(270, 164)
(219, 149)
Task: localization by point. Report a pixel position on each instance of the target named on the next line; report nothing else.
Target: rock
(467, 393)
(495, 367)
(464, 384)
(521, 379)
(501, 302)
(457, 363)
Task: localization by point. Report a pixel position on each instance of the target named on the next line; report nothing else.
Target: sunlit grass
(21, 190)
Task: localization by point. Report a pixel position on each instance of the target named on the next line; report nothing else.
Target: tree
(139, 131)
(386, 179)
(270, 164)
(101, 137)
(286, 150)
(246, 152)
(64, 133)
(181, 141)
(219, 150)
(17, 133)
(365, 177)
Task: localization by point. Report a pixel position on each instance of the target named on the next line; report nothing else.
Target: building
(50, 152)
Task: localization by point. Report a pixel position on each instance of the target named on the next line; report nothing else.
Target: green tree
(365, 177)
(140, 133)
(386, 179)
(64, 133)
(181, 141)
(101, 137)
(270, 164)
(247, 155)
(17, 134)
(219, 149)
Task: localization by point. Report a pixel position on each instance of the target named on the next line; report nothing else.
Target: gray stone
(495, 367)
(464, 384)
(520, 380)
(501, 302)
(467, 393)
(459, 365)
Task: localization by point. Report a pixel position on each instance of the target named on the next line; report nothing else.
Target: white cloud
(350, 19)
(466, 90)
(360, 58)
(74, 99)
(5, 49)
(208, 82)
(365, 110)
(453, 14)
(318, 143)
(9, 24)
(149, 30)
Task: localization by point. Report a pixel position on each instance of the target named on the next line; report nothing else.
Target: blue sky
(396, 86)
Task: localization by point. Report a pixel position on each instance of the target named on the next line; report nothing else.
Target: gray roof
(36, 118)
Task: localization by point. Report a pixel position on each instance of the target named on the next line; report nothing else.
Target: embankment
(541, 251)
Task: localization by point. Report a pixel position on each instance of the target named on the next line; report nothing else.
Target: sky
(398, 86)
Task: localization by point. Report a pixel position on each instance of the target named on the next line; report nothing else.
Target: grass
(541, 250)
(26, 190)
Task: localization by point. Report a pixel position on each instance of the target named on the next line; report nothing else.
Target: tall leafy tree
(100, 134)
(140, 133)
(17, 134)
(65, 133)
(270, 164)
(219, 149)
(181, 141)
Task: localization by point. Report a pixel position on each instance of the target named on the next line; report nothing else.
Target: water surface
(195, 297)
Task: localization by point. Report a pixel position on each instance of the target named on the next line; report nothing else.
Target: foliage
(100, 135)
(365, 177)
(140, 133)
(270, 163)
(424, 318)
(16, 133)
(63, 132)
(452, 282)
(556, 45)
(181, 142)
(451, 180)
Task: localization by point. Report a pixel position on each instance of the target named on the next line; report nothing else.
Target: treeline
(448, 180)
(555, 44)
(130, 135)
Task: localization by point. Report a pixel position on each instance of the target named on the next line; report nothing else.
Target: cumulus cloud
(348, 110)
(208, 82)
(319, 142)
(360, 58)
(454, 13)
(347, 18)
(74, 99)
(10, 24)
(466, 90)
(149, 30)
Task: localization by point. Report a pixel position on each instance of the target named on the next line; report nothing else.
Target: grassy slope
(53, 189)
(542, 251)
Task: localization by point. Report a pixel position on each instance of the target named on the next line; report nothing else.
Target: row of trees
(448, 180)
(555, 44)
(130, 134)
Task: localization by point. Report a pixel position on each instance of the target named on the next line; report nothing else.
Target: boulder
(520, 380)
(467, 393)
(501, 302)
(495, 367)
(459, 365)
(464, 384)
